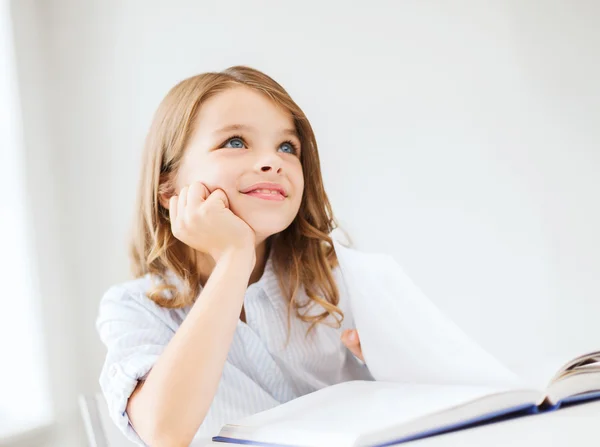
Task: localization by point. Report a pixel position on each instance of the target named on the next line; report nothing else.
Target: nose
(270, 163)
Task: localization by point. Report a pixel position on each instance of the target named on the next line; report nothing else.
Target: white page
(404, 336)
(540, 370)
(342, 412)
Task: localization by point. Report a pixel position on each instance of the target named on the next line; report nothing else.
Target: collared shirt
(259, 373)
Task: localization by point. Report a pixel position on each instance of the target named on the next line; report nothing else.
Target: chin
(263, 230)
(266, 221)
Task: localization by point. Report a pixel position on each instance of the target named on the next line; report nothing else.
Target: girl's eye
(234, 143)
(288, 147)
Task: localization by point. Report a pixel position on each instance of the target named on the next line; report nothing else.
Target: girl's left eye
(288, 147)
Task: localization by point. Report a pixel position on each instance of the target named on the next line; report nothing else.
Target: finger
(352, 342)
(173, 208)
(355, 349)
(197, 194)
(345, 335)
(182, 202)
(218, 195)
(351, 337)
(359, 354)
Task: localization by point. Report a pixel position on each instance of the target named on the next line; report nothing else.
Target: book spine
(547, 406)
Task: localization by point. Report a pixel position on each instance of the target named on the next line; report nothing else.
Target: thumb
(350, 339)
(218, 196)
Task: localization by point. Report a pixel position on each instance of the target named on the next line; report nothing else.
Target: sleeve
(135, 332)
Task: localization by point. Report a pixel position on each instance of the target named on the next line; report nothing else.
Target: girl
(238, 304)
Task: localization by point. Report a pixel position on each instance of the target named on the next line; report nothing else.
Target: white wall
(461, 136)
(59, 305)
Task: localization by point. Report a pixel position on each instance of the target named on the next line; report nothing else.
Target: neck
(205, 264)
(261, 261)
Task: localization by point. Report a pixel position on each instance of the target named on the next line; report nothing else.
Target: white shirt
(259, 372)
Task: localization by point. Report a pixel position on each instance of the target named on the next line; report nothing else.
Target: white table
(571, 426)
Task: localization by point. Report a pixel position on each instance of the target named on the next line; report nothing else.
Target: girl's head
(239, 138)
(232, 130)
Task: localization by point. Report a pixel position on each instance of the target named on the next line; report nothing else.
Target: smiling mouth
(266, 194)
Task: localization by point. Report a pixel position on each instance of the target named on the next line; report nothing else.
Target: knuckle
(202, 211)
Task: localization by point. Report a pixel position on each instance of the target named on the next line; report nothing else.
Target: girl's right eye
(234, 143)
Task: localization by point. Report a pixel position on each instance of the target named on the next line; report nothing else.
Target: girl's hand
(352, 341)
(203, 221)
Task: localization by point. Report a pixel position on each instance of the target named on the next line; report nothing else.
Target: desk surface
(571, 426)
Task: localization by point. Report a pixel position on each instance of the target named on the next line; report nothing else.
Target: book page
(540, 371)
(404, 336)
(367, 406)
(343, 412)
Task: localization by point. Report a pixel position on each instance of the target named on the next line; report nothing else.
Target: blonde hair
(302, 254)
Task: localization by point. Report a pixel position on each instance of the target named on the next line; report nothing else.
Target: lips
(265, 189)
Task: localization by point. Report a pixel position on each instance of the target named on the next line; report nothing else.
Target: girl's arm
(169, 406)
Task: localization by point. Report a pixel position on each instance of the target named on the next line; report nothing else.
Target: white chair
(101, 431)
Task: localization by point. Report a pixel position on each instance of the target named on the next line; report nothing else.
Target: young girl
(238, 305)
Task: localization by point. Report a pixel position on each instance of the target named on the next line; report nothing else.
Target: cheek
(298, 181)
(217, 174)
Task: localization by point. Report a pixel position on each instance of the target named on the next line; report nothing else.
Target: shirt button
(113, 371)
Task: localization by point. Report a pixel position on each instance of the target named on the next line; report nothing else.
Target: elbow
(163, 439)
(161, 424)
(159, 434)
(165, 433)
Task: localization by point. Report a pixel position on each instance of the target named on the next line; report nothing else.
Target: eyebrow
(239, 127)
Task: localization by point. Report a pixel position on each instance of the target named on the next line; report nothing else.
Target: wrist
(241, 256)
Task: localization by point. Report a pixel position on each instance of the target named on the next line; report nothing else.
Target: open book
(430, 377)
(377, 413)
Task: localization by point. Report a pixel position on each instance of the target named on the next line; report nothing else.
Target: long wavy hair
(302, 254)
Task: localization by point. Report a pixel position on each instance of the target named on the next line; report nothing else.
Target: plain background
(463, 137)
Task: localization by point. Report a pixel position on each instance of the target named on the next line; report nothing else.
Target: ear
(164, 200)
(165, 191)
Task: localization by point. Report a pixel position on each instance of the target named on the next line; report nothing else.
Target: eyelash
(239, 137)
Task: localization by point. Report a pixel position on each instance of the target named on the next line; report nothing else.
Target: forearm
(170, 406)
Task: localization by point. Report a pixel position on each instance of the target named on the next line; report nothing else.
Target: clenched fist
(203, 221)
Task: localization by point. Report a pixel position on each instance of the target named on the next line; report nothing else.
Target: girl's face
(242, 139)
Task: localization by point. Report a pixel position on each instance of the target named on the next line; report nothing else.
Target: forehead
(242, 105)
